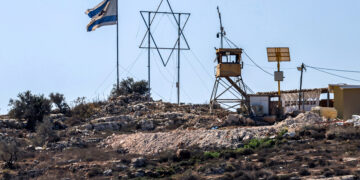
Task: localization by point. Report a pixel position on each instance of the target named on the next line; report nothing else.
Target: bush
(84, 110)
(59, 100)
(260, 143)
(129, 86)
(45, 133)
(8, 153)
(30, 107)
(211, 155)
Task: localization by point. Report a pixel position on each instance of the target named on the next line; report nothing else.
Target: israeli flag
(103, 14)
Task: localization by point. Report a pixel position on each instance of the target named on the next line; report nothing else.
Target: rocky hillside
(132, 138)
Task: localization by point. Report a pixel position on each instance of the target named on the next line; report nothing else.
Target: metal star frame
(148, 33)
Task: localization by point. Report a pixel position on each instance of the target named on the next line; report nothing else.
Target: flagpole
(117, 45)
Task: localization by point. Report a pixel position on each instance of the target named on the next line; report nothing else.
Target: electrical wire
(339, 70)
(138, 79)
(196, 73)
(344, 77)
(227, 39)
(257, 64)
(201, 64)
(106, 78)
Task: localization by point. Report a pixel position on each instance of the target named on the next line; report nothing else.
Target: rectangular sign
(279, 76)
(278, 54)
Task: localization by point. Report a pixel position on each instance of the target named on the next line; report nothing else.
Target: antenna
(222, 32)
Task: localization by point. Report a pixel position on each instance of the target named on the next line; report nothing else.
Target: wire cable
(257, 64)
(344, 77)
(250, 58)
(339, 70)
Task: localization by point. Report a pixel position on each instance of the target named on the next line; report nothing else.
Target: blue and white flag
(103, 14)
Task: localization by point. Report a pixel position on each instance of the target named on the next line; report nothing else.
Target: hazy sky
(44, 46)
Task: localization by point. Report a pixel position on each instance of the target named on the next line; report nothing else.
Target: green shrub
(282, 132)
(45, 133)
(260, 143)
(129, 86)
(8, 153)
(244, 151)
(30, 107)
(59, 100)
(211, 155)
(83, 110)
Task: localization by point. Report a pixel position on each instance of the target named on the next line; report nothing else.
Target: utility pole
(149, 56)
(301, 94)
(117, 46)
(178, 63)
(222, 30)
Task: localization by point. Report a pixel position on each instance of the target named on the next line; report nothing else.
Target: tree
(8, 153)
(30, 107)
(129, 86)
(45, 133)
(59, 100)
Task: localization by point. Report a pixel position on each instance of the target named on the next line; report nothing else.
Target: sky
(44, 46)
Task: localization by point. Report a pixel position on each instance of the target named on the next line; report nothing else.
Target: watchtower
(229, 62)
(228, 75)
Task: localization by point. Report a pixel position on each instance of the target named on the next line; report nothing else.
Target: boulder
(232, 119)
(107, 172)
(138, 162)
(147, 125)
(270, 119)
(249, 122)
(183, 154)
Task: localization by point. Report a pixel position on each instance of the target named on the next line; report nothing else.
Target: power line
(257, 64)
(138, 79)
(227, 39)
(339, 70)
(344, 77)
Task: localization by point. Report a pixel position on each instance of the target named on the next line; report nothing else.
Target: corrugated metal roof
(275, 93)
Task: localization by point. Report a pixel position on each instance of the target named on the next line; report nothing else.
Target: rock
(39, 148)
(351, 161)
(138, 162)
(120, 167)
(147, 125)
(59, 125)
(11, 123)
(289, 134)
(183, 154)
(59, 117)
(232, 119)
(30, 148)
(249, 122)
(107, 172)
(107, 126)
(270, 119)
(139, 173)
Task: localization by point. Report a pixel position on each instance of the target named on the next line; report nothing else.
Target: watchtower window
(230, 59)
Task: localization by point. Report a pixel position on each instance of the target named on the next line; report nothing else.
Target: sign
(279, 76)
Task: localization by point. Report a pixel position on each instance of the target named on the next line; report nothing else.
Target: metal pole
(178, 82)
(328, 99)
(117, 46)
(149, 57)
(279, 91)
(301, 93)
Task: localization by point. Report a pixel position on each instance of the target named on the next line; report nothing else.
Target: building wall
(260, 101)
(351, 102)
(338, 101)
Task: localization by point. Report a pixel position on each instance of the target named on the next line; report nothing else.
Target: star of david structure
(148, 18)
